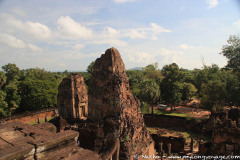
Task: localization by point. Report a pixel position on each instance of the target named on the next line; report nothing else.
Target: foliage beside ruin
(35, 89)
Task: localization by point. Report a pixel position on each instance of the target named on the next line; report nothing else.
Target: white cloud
(135, 33)
(68, 28)
(62, 65)
(87, 55)
(185, 46)
(19, 11)
(158, 29)
(123, 1)
(9, 21)
(92, 23)
(113, 42)
(111, 32)
(35, 30)
(237, 24)
(78, 46)
(33, 47)
(13, 42)
(211, 3)
(74, 55)
(170, 56)
(146, 33)
(142, 58)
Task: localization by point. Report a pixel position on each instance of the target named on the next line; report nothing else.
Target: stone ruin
(110, 99)
(72, 98)
(108, 121)
(40, 142)
(109, 86)
(226, 132)
(114, 128)
(115, 125)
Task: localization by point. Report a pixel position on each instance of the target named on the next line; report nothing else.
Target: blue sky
(63, 35)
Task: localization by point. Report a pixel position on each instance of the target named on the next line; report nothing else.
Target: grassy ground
(189, 134)
(152, 130)
(41, 121)
(184, 133)
(187, 115)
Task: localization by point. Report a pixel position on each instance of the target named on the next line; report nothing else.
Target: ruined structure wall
(177, 143)
(226, 133)
(110, 97)
(108, 77)
(165, 121)
(22, 141)
(72, 97)
(31, 116)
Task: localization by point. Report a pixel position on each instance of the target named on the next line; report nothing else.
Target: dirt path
(194, 112)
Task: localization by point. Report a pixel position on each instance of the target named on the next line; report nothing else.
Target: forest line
(35, 89)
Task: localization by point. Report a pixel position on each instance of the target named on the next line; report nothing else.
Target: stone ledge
(22, 141)
(55, 141)
(16, 152)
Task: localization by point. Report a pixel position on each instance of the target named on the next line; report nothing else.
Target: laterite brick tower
(110, 97)
(72, 98)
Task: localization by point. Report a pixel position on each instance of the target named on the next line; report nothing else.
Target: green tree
(3, 104)
(38, 74)
(38, 89)
(208, 73)
(37, 94)
(12, 97)
(65, 72)
(88, 76)
(171, 92)
(172, 73)
(233, 89)
(213, 94)
(188, 76)
(152, 72)
(171, 84)
(90, 67)
(188, 90)
(150, 67)
(149, 91)
(232, 52)
(135, 78)
(2, 79)
(11, 72)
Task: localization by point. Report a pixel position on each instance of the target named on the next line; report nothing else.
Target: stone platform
(23, 141)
